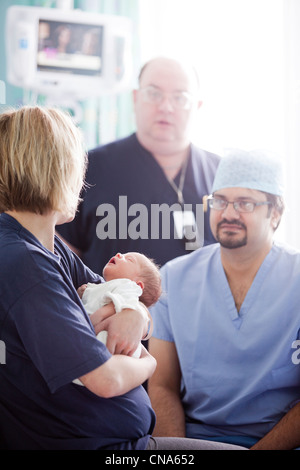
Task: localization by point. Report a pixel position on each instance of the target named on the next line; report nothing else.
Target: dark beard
(228, 242)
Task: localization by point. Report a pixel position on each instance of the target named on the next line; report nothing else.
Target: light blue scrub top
(238, 377)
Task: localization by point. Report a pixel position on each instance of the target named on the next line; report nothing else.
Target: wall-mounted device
(68, 52)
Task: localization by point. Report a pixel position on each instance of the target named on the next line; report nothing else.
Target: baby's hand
(81, 290)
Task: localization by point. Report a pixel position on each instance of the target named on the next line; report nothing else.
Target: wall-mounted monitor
(70, 52)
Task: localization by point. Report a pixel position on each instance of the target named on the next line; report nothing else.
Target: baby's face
(127, 266)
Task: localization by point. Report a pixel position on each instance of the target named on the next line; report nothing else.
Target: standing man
(227, 330)
(135, 184)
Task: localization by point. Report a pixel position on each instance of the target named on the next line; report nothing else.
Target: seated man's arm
(119, 374)
(285, 435)
(164, 389)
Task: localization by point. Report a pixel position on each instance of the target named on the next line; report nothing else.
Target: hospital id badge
(186, 228)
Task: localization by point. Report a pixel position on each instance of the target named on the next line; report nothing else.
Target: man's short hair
(190, 66)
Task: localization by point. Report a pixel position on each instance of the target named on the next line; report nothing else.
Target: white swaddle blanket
(124, 293)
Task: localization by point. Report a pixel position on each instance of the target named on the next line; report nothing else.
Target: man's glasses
(219, 204)
(178, 99)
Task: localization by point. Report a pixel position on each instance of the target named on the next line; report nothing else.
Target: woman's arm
(119, 374)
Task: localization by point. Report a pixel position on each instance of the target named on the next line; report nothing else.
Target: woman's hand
(81, 290)
(99, 316)
(125, 329)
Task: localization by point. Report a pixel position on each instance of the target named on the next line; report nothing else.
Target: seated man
(226, 329)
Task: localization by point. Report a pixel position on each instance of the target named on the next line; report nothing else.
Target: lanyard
(178, 189)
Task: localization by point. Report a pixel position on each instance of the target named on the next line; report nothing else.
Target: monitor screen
(69, 48)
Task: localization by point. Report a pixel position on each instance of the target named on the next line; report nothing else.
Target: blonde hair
(42, 161)
(152, 282)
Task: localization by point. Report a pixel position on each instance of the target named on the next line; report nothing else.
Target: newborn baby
(130, 279)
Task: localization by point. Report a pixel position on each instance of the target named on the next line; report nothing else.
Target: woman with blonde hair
(49, 338)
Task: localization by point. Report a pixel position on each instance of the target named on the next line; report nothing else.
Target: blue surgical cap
(257, 169)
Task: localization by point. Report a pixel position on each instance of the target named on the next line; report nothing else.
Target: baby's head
(137, 268)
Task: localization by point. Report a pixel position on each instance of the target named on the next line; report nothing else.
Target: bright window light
(246, 53)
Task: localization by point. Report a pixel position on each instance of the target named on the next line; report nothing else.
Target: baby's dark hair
(152, 283)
